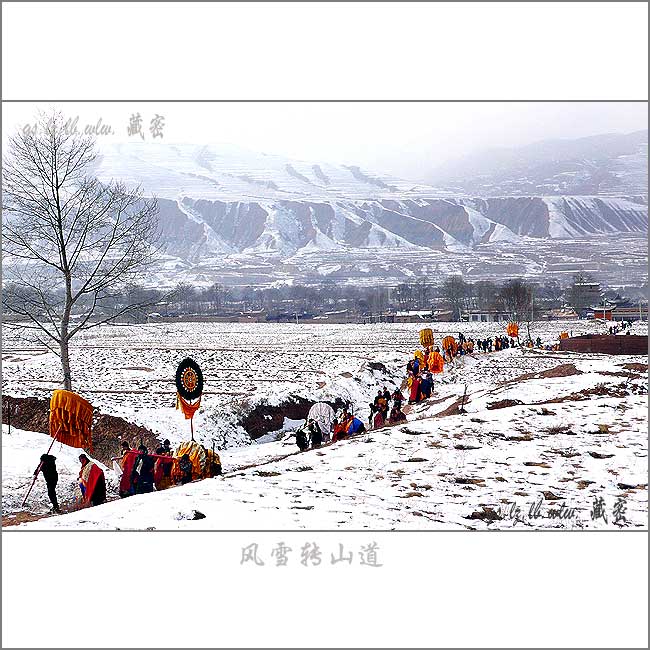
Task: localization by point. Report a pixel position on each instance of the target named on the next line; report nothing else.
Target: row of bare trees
(514, 297)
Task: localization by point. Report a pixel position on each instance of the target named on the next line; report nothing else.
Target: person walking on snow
(397, 398)
(92, 482)
(371, 415)
(142, 473)
(315, 433)
(48, 467)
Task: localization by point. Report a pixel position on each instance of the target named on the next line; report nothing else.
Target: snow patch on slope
(558, 226)
(480, 224)
(503, 233)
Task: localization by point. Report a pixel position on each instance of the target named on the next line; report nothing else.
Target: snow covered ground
(129, 371)
(572, 430)
(21, 452)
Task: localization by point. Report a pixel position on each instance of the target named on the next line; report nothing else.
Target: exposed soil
(22, 517)
(622, 373)
(29, 413)
(454, 408)
(639, 367)
(563, 370)
(486, 514)
(601, 390)
(265, 418)
(628, 486)
(109, 431)
(504, 403)
(32, 414)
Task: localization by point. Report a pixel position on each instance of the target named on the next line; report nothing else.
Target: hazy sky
(404, 139)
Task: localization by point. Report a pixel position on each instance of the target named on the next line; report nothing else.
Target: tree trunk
(65, 364)
(64, 342)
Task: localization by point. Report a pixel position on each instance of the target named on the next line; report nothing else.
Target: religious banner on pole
(189, 387)
(71, 419)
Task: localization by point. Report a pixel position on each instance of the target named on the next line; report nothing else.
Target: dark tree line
(520, 299)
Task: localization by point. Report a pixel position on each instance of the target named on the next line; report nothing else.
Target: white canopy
(323, 414)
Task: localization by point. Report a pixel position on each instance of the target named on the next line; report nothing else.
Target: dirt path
(24, 516)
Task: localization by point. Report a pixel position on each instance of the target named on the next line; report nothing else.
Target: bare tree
(455, 292)
(214, 295)
(422, 290)
(516, 299)
(185, 293)
(404, 295)
(553, 292)
(584, 292)
(379, 299)
(485, 294)
(70, 242)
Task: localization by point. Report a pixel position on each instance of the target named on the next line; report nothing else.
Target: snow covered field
(572, 428)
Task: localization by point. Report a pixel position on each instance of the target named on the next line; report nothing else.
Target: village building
(620, 312)
(562, 313)
(424, 315)
(484, 316)
(584, 295)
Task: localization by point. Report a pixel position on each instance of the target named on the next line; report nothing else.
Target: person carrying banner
(47, 467)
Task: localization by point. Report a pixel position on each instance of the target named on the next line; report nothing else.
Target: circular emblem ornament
(189, 379)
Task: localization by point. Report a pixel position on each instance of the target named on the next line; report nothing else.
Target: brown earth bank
(606, 344)
(639, 367)
(32, 414)
(264, 418)
(563, 370)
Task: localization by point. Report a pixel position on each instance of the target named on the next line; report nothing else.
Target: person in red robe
(92, 482)
(415, 390)
(162, 471)
(128, 460)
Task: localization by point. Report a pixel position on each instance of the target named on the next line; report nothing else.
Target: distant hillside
(601, 164)
(242, 217)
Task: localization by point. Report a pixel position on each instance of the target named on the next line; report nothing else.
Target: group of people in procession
(140, 473)
(421, 369)
(381, 413)
(625, 325)
(386, 408)
(312, 435)
(466, 345)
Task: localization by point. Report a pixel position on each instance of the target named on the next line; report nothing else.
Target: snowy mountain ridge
(193, 228)
(220, 203)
